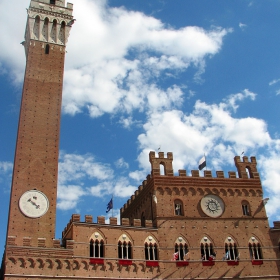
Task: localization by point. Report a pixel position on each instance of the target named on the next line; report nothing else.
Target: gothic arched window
(151, 249)
(255, 249)
(124, 250)
(96, 246)
(231, 251)
(207, 249)
(96, 249)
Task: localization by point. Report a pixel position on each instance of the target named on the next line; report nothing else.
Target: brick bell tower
(32, 210)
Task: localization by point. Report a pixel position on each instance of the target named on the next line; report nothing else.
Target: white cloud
(74, 167)
(242, 25)
(275, 81)
(69, 196)
(209, 129)
(5, 167)
(120, 163)
(101, 78)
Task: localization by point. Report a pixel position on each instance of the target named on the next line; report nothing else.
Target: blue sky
(190, 77)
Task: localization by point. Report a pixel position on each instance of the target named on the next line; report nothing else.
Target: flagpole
(205, 161)
(113, 205)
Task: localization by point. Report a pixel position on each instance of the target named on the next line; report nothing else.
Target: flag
(109, 205)
(175, 256)
(202, 163)
(226, 256)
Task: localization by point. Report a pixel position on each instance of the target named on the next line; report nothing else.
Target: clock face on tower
(212, 205)
(33, 204)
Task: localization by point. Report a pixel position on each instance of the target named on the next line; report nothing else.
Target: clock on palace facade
(212, 205)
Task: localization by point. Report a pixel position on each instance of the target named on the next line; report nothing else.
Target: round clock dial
(33, 204)
(212, 205)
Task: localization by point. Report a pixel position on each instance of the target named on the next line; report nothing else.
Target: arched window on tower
(62, 33)
(124, 247)
(255, 249)
(246, 208)
(36, 28)
(96, 246)
(45, 30)
(231, 251)
(178, 207)
(207, 249)
(52, 2)
(181, 249)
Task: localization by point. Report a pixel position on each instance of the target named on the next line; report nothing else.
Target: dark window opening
(182, 250)
(231, 252)
(255, 251)
(96, 249)
(151, 252)
(52, 2)
(47, 49)
(207, 251)
(124, 250)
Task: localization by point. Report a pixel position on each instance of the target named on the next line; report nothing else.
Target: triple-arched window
(231, 251)
(124, 250)
(96, 246)
(151, 249)
(255, 249)
(207, 249)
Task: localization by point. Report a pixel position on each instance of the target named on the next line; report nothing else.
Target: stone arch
(76, 265)
(22, 262)
(168, 191)
(238, 192)
(41, 263)
(223, 192)
(176, 191)
(32, 262)
(85, 264)
(50, 262)
(13, 260)
(252, 192)
(200, 191)
(216, 191)
(208, 191)
(59, 264)
(259, 193)
(230, 192)
(245, 192)
(68, 265)
(160, 190)
(184, 191)
(192, 191)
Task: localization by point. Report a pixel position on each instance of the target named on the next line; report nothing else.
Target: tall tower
(32, 210)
